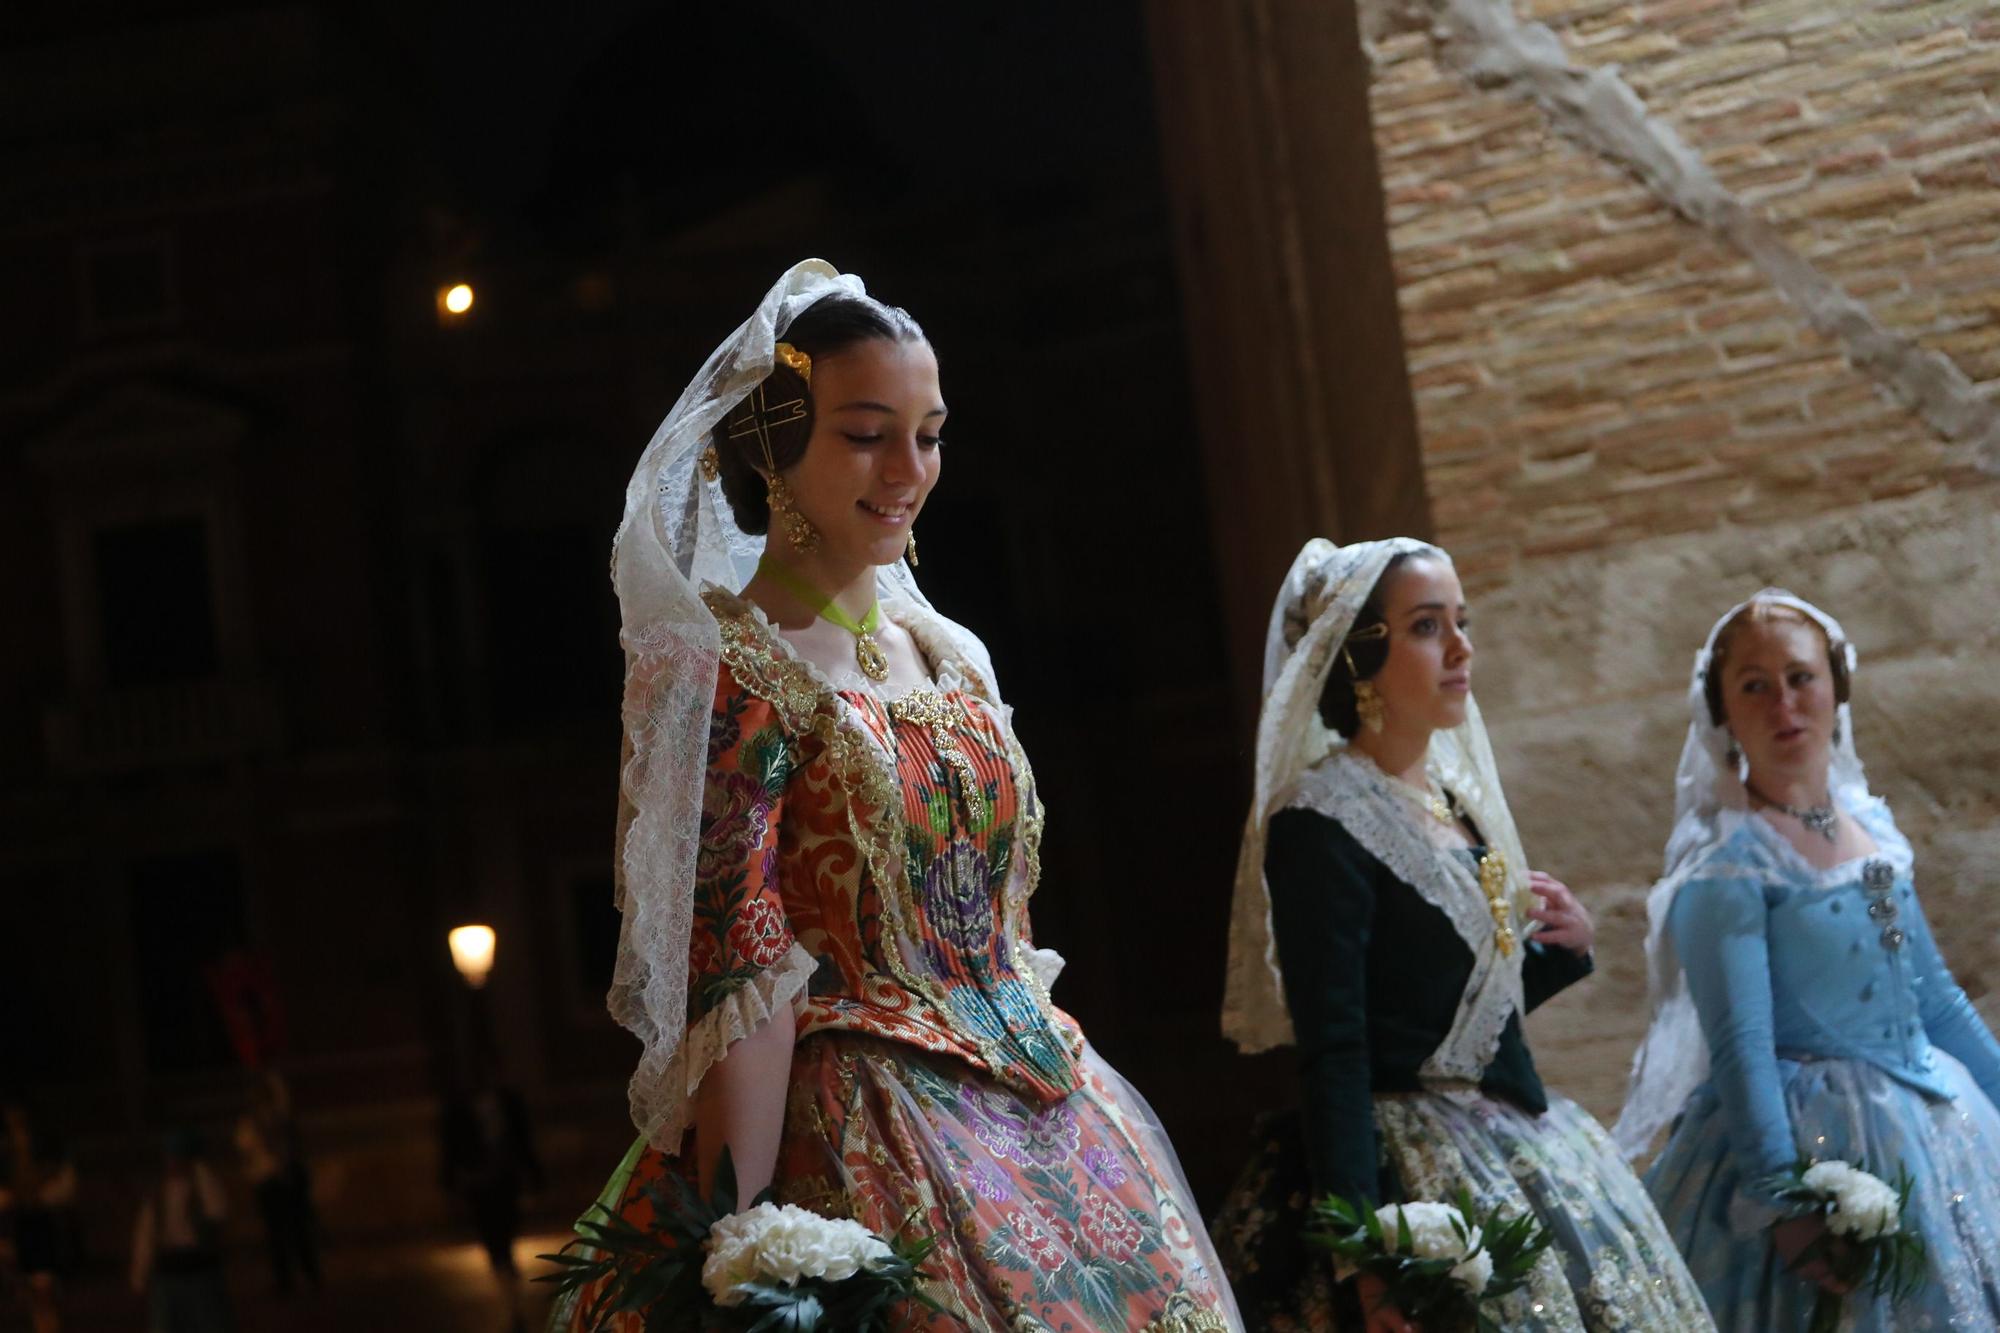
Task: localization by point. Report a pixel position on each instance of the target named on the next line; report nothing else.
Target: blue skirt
(1845, 1110)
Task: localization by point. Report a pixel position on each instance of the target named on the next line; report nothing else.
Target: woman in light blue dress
(1801, 1008)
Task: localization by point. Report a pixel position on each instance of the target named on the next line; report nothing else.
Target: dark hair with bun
(1336, 700)
(829, 325)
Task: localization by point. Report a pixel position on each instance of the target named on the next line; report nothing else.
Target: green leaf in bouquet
(1423, 1289)
(1337, 1212)
(786, 1309)
(653, 1272)
(1515, 1244)
(1899, 1265)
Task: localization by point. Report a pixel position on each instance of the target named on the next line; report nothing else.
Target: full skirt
(1612, 1264)
(1845, 1110)
(1050, 1218)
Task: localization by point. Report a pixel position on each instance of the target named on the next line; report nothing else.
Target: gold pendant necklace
(1429, 797)
(868, 654)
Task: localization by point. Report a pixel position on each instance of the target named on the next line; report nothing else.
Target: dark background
(311, 653)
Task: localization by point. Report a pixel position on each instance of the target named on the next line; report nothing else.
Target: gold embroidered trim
(1031, 820)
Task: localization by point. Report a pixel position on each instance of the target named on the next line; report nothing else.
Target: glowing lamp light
(472, 953)
(455, 299)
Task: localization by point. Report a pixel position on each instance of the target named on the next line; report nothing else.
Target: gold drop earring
(1367, 699)
(1368, 705)
(799, 530)
(910, 550)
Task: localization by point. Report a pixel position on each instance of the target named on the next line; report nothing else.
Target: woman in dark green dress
(1387, 925)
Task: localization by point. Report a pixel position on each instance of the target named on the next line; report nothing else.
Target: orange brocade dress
(870, 861)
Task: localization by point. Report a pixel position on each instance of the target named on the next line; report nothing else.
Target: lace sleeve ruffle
(730, 958)
(733, 1018)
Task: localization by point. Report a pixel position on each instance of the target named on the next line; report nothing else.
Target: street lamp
(472, 953)
(454, 301)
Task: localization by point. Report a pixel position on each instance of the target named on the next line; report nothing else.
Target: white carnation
(1434, 1234)
(1473, 1274)
(1827, 1177)
(786, 1244)
(1864, 1207)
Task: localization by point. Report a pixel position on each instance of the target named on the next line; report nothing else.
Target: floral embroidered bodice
(892, 841)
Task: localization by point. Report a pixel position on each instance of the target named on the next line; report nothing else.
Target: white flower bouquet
(1440, 1264)
(1864, 1241)
(771, 1267)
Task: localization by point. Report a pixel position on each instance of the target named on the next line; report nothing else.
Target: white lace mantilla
(1362, 799)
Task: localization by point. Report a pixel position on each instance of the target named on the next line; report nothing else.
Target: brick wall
(1734, 321)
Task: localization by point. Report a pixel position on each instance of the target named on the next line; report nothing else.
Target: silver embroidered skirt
(1845, 1110)
(1612, 1266)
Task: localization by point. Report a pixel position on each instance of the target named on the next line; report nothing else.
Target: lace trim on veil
(1352, 791)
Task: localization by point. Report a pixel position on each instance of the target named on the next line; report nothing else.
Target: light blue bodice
(1786, 962)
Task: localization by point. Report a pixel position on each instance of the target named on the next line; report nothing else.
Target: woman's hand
(1793, 1238)
(1378, 1313)
(1565, 923)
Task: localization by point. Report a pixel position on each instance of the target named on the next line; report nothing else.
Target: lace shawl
(1351, 790)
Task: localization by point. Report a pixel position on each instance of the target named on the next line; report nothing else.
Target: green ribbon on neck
(868, 653)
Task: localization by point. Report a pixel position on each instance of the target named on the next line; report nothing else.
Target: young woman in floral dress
(829, 841)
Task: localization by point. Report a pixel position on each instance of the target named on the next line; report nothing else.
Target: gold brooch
(1493, 883)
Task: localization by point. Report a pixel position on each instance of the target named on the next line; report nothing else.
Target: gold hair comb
(800, 363)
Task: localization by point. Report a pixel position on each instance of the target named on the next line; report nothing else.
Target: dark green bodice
(1373, 977)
